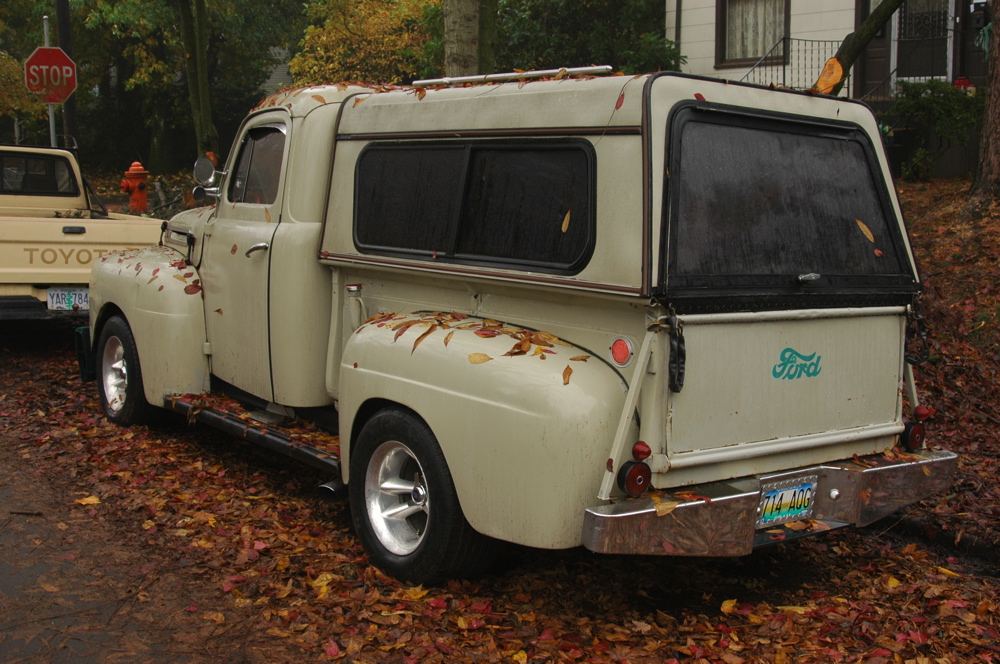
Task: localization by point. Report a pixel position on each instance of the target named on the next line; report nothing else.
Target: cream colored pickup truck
(52, 228)
(656, 314)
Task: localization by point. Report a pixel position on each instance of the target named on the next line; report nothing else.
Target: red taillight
(914, 435)
(621, 351)
(634, 477)
(641, 451)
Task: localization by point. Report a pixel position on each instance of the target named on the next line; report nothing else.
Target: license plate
(786, 500)
(69, 299)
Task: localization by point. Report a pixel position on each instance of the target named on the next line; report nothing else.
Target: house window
(747, 30)
(922, 46)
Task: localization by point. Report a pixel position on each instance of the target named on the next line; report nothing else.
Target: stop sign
(50, 73)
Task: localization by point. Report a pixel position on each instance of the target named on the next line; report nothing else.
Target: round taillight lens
(621, 351)
(641, 451)
(634, 478)
(914, 435)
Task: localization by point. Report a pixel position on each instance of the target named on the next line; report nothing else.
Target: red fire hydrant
(134, 185)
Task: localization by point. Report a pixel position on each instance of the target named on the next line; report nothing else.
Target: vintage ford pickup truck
(52, 228)
(657, 314)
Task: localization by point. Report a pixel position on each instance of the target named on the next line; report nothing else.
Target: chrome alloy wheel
(114, 374)
(396, 498)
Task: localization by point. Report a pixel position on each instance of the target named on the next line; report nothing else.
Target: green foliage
(937, 114)
(362, 40)
(15, 100)
(371, 41)
(546, 34)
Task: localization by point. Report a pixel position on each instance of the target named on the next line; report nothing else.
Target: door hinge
(678, 352)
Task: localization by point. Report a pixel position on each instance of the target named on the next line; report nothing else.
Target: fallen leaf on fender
(479, 358)
(579, 358)
(423, 336)
(447, 339)
(565, 224)
(567, 372)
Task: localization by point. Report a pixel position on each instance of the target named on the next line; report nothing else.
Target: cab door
(237, 261)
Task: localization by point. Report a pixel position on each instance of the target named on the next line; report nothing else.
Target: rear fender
(159, 295)
(525, 420)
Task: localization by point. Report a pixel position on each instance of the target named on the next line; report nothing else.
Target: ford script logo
(794, 365)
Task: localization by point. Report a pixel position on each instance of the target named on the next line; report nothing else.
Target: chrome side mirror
(206, 176)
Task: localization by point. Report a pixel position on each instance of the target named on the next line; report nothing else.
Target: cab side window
(258, 167)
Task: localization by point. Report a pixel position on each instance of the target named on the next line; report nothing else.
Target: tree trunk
(488, 36)
(461, 37)
(836, 70)
(987, 180)
(194, 32)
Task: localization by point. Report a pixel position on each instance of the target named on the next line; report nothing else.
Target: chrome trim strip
(781, 445)
(799, 314)
(439, 269)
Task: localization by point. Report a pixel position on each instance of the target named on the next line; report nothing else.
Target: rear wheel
(120, 378)
(404, 505)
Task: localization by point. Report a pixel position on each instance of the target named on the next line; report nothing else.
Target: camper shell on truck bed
(655, 314)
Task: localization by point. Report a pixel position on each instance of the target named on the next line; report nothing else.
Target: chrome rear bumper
(719, 519)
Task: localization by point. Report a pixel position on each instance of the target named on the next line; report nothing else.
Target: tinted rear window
(757, 202)
(37, 175)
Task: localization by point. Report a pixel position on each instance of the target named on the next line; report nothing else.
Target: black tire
(404, 505)
(119, 376)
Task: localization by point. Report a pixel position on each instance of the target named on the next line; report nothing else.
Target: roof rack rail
(516, 76)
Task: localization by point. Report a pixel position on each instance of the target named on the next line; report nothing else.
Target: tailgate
(760, 387)
(50, 250)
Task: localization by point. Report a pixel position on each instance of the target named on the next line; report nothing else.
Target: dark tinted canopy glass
(759, 202)
(513, 205)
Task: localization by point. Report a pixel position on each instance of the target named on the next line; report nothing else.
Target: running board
(298, 446)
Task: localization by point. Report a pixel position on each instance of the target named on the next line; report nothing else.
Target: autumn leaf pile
(958, 254)
(250, 526)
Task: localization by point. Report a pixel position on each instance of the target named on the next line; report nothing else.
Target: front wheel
(120, 378)
(404, 505)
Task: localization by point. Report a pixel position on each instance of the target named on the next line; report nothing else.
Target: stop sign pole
(51, 74)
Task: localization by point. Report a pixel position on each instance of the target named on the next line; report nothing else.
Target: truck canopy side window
(522, 206)
(757, 202)
(258, 167)
(37, 176)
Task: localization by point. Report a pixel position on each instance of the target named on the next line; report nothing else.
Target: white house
(787, 42)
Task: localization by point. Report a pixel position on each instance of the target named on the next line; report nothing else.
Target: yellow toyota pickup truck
(52, 227)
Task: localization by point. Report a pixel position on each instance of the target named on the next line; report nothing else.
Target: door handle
(260, 246)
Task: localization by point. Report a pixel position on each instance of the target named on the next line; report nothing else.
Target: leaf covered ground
(959, 258)
(275, 574)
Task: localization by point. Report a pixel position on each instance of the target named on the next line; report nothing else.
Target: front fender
(159, 295)
(525, 420)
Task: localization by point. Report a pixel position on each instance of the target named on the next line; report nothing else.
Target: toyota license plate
(786, 501)
(69, 299)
